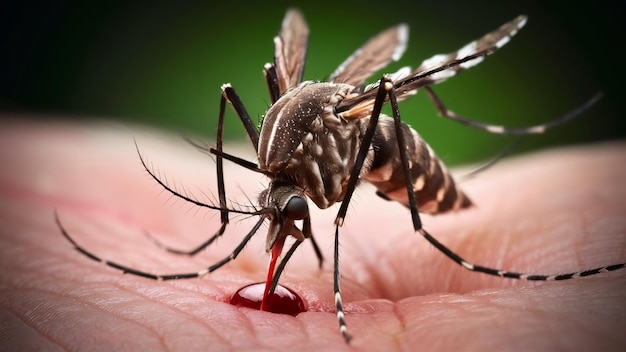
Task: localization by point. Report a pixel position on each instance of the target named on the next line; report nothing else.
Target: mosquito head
(284, 203)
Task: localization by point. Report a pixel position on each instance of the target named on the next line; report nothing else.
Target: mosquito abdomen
(435, 189)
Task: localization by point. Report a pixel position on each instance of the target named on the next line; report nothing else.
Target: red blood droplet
(284, 300)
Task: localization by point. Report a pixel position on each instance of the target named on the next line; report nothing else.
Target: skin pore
(551, 212)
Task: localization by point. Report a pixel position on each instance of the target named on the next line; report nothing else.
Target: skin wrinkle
(161, 335)
(481, 301)
(120, 316)
(260, 330)
(177, 308)
(13, 329)
(245, 318)
(8, 309)
(531, 304)
(102, 306)
(94, 305)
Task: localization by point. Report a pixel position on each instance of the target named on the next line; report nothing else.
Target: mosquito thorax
(303, 140)
(305, 110)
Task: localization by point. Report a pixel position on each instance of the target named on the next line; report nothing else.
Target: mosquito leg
(341, 317)
(191, 252)
(385, 86)
(308, 232)
(496, 129)
(513, 275)
(318, 252)
(228, 95)
(222, 208)
(404, 159)
(455, 257)
(221, 189)
(129, 270)
(271, 78)
(281, 266)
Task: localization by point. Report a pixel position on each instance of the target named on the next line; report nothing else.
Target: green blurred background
(162, 62)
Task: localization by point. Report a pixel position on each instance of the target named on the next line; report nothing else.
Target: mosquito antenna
(237, 160)
(182, 196)
(202, 148)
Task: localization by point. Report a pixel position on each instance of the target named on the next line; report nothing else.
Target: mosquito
(319, 140)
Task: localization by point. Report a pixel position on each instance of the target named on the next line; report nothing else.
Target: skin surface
(552, 212)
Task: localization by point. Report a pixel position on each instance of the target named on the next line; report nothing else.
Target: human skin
(551, 212)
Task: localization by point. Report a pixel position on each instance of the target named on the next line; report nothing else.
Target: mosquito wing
(290, 50)
(377, 53)
(435, 69)
(477, 49)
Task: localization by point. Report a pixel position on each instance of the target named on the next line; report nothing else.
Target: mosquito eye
(296, 208)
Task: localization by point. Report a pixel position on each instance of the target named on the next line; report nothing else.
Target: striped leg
(341, 317)
(281, 267)
(228, 95)
(253, 134)
(308, 233)
(129, 270)
(513, 275)
(457, 258)
(386, 86)
(271, 78)
(496, 129)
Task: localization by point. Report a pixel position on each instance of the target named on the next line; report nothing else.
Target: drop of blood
(283, 301)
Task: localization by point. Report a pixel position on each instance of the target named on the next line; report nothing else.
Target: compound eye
(296, 208)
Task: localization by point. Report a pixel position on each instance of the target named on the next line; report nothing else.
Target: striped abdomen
(435, 190)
